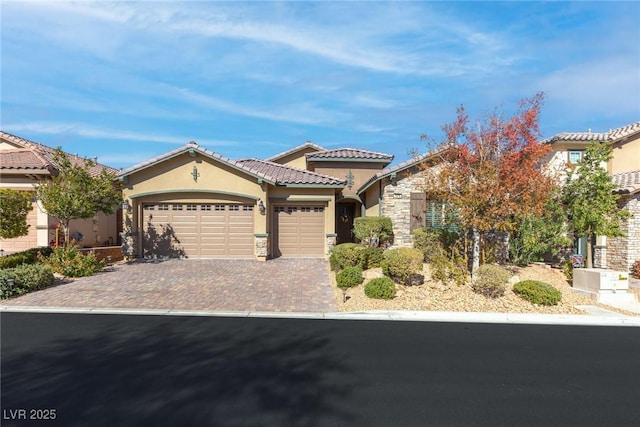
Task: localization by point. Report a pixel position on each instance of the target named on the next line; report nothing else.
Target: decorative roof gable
(301, 147)
(627, 182)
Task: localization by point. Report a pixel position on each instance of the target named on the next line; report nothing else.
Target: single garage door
(299, 231)
(198, 230)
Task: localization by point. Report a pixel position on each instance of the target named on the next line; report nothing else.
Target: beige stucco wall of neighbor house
(626, 156)
(172, 180)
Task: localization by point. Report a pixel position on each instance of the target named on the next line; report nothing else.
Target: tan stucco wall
(371, 198)
(296, 159)
(361, 172)
(626, 156)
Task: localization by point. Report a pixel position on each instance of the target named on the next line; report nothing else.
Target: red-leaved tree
(490, 172)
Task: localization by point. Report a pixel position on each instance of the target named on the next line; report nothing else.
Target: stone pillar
(331, 241)
(262, 246)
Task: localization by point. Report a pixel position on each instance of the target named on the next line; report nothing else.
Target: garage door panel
(300, 231)
(200, 231)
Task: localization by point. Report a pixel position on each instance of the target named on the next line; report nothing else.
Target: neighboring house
(196, 203)
(567, 149)
(23, 164)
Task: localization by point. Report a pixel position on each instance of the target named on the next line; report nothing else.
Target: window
(575, 156)
(279, 209)
(318, 209)
(149, 207)
(191, 207)
(163, 207)
(247, 208)
(177, 207)
(205, 207)
(234, 207)
(304, 209)
(291, 209)
(219, 207)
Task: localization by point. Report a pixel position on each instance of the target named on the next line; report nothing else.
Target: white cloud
(96, 132)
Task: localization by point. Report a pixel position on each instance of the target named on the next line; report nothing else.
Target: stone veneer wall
(622, 252)
(262, 246)
(396, 204)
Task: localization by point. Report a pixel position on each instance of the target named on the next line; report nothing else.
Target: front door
(344, 222)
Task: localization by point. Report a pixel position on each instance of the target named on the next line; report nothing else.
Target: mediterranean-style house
(567, 148)
(24, 163)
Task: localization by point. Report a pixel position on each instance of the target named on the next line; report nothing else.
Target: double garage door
(298, 231)
(198, 230)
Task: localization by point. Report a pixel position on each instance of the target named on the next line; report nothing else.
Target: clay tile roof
(613, 135)
(307, 144)
(281, 174)
(627, 182)
(349, 154)
(624, 131)
(40, 156)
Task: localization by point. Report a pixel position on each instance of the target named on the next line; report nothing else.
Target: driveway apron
(280, 285)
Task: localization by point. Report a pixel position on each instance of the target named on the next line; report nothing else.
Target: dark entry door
(344, 222)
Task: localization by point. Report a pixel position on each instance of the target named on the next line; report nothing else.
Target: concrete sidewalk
(597, 316)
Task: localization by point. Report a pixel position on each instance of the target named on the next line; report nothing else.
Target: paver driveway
(301, 285)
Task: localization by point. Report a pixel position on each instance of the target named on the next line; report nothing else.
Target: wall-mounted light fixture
(195, 174)
(126, 205)
(261, 207)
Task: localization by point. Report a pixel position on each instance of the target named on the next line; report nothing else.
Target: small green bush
(26, 277)
(380, 288)
(30, 256)
(72, 263)
(399, 263)
(567, 269)
(373, 231)
(347, 255)
(428, 242)
(349, 277)
(373, 257)
(490, 280)
(537, 292)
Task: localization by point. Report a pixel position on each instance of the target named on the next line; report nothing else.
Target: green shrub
(445, 269)
(373, 231)
(428, 242)
(537, 292)
(347, 255)
(72, 263)
(30, 256)
(373, 257)
(490, 280)
(380, 288)
(27, 278)
(399, 263)
(349, 277)
(567, 269)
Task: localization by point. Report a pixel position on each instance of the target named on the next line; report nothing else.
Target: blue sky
(126, 81)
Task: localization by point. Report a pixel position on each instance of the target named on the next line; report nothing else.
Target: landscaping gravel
(434, 296)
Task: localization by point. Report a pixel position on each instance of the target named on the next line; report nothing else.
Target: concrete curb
(415, 316)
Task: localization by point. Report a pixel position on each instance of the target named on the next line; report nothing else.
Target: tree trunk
(66, 233)
(589, 254)
(475, 251)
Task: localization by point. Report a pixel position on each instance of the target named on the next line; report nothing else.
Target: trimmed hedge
(537, 292)
(349, 277)
(30, 256)
(373, 231)
(26, 277)
(347, 255)
(490, 280)
(380, 288)
(400, 263)
(373, 257)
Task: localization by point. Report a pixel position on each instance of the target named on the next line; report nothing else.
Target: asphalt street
(128, 370)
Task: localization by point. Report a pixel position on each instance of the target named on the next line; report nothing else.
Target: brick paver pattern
(279, 285)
